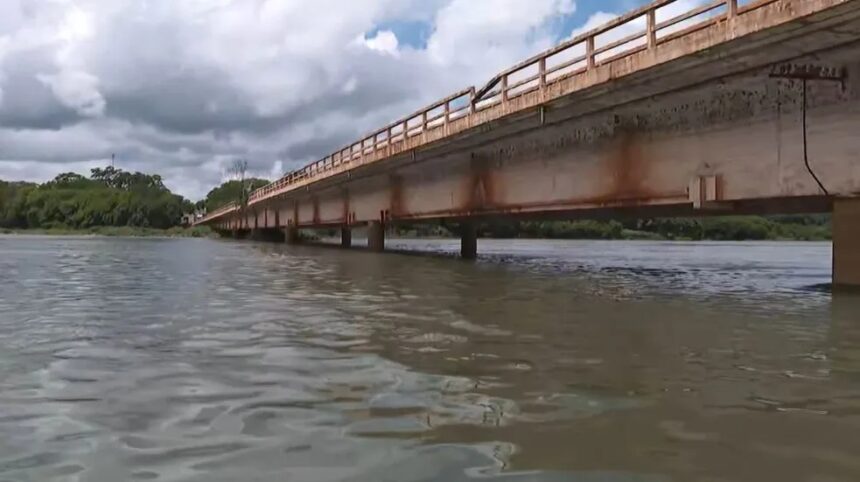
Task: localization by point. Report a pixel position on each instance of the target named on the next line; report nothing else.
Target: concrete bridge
(734, 107)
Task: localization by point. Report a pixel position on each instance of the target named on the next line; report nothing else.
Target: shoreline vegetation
(113, 202)
(118, 231)
(725, 228)
(729, 228)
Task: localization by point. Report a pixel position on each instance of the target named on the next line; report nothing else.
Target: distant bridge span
(733, 107)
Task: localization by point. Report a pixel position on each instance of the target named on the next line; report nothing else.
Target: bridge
(732, 107)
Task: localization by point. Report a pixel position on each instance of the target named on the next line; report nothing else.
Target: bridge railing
(217, 213)
(638, 30)
(427, 119)
(621, 37)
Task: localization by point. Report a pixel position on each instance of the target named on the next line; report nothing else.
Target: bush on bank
(728, 228)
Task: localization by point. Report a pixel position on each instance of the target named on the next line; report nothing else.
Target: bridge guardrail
(217, 213)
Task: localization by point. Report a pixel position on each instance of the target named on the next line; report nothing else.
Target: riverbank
(727, 228)
(120, 231)
(730, 228)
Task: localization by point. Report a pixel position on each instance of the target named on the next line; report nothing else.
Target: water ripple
(187, 360)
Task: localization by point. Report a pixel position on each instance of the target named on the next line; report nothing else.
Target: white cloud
(384, 41)
(76, 26)
(76, 90)
(494, 32)
(184, 87)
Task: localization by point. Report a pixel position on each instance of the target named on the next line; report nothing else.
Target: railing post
(505, 88)
(652, 28)
(542, 73)
(447, 117)
(589, 52)
(731, 15)
(388, 133)
(473, 107)
(424, 121)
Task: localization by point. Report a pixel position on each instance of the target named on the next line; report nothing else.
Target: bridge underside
(734, 130)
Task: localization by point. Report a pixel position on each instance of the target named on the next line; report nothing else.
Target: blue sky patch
(416, 33)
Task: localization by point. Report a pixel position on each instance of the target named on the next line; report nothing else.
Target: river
(207, 360)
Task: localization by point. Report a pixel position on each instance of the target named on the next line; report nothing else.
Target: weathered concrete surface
(737, 141)
(694, 125)
(733, 140)
(846, 242)
(763, 32)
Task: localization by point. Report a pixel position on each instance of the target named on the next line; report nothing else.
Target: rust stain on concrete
(346, 208)
(396, 207)
(627, 168)
(480, 192)
(316, 215)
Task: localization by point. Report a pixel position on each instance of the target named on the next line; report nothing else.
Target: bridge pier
(240, 233)
(846, 243)
(376, 236)
(266, 234)
(346, 237)
(468, 241)
(291, 233)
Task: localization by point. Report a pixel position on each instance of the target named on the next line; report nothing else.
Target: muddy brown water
(202, 360)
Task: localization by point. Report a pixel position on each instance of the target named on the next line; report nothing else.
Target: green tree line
(108, 197)
(724, 228)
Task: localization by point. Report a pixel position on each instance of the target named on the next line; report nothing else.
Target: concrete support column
(846, 242)
(291, 234)
(468, 241)
(346, 237)
(376, 236)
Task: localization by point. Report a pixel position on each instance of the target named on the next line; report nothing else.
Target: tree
(110, 197)
(238, 169)
(231, 191)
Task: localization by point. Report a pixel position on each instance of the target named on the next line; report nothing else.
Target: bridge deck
(639, 54)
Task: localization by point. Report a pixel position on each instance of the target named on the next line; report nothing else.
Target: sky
(182, 88)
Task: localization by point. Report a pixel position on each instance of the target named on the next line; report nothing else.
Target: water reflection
(202, 360)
